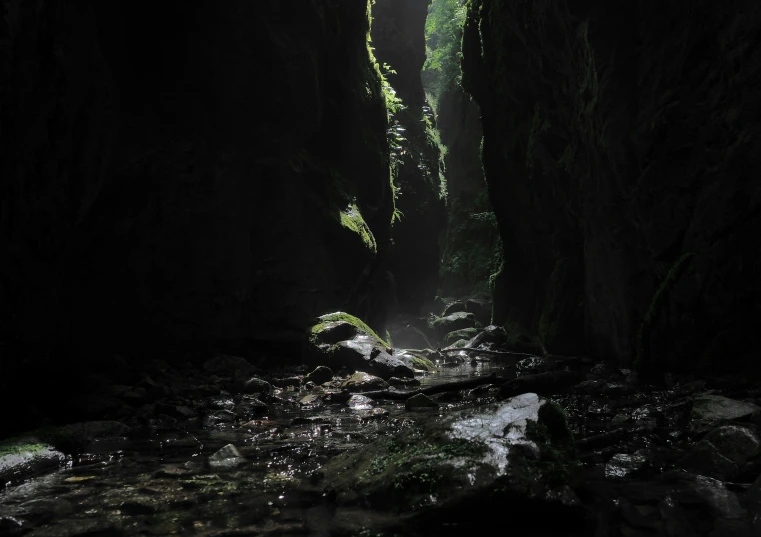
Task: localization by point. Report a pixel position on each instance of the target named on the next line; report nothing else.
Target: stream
(161, 476)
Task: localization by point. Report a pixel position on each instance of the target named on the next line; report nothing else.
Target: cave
(380, 267)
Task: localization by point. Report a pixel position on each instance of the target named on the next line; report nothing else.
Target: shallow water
(159, 482)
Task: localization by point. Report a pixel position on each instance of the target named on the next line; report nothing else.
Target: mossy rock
(519, 453)
(465, 333)
(418, 360)
(333, 325)
(453, 322)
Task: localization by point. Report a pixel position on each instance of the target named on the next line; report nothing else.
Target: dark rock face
(399, 40)
(206, 174)
(617, 140)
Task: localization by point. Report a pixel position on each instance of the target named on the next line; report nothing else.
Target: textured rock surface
(466, 464)
(221, 189)
(399, 41)
(616, 140)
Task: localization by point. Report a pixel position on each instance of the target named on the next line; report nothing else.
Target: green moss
(465, 333)
(19, 446)
(421, 466)
(352, 219)
(643, 362)
(421, 362)
(345, 317)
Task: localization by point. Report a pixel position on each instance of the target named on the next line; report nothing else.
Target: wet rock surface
(195, 458)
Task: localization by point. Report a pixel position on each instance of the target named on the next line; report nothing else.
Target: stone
(623, 465)
(707, 410)
(26, 456)
(250, 407)
(452, 469)
(454, 321)
(466, 334)
(256, 386)
(403, 383)
(454, 307)
(420, 402)
(334, 331)
(363, 382)
(360, 402)
(722, 452)
(367, 354)
(226, 458)
(311, 400)
(320, 375)
(704, 459)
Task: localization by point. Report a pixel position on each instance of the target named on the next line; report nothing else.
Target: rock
(465, 333)
(26, 456)
(722, 452)
(333, 332)
(534, 364)
(372, 414)
(452, 322)
(365, 353)
(458, 468)
(312, 400)
(542, 383)
(255, 386)
(753, 502)
(250, 407)
(320, 375)
(704, 459)
(222, 416)
(226, 458)
(230, 366)
(480, 308)
(360, 402)
(710, 409)
(363, 382)
(623, 465)
(589, 387)
(419, 360)
(454, 307)
(420, 402)
(736, 443)
(285, 382)
(403, 383)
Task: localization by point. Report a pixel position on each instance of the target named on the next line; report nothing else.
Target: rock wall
(471, 252)
(618, 141)
(398, 35)
(186, 174)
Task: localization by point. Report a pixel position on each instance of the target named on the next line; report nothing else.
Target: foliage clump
(443, 31)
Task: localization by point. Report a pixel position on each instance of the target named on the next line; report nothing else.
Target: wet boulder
(420, 402)
(320, 375)
(708, 410)
(25, 456)
(226, 458)
(362, 382)
(363, 351)
(453, 322)
(252, 386)
(334, 331)
(480, 308)
(458, 469)
(722, 452)
(466, 334)
(454, 307)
